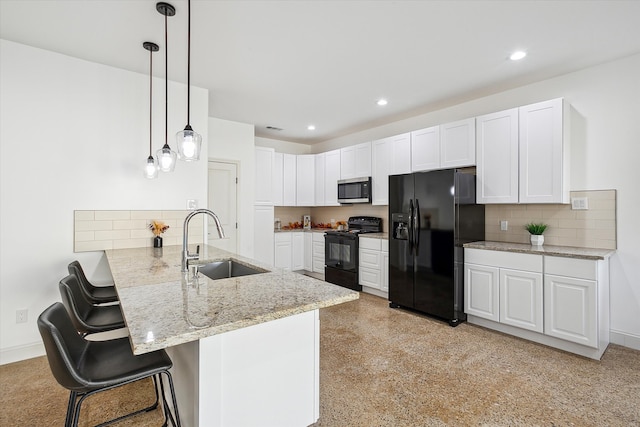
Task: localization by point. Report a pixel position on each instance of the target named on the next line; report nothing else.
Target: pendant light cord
(150, 98)
(188, 60)
(166, 83)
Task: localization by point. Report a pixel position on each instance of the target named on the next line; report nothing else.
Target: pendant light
(189, 142)
(151, 168)
(166, 156)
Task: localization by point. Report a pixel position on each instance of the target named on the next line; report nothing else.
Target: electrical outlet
(504, 225)
(192, 204)
(579, 203)
(21, 316)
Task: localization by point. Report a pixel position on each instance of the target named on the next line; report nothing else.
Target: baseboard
(625, 339)
(21, 352)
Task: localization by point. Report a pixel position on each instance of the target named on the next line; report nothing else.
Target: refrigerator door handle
(417, 226)
(411, 230)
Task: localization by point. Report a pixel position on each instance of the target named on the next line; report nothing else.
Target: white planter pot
(537, 240)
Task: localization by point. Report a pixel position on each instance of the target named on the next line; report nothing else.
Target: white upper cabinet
(305, 180)
(278, 173)
(264, 175)
(522, 155)
(497, 169)
(289, 180)
(425, 149)
(380, 168)
(400, 154)
(355, 161)
(544, 167)
(331, 177)
(319, 180)
(458, 144)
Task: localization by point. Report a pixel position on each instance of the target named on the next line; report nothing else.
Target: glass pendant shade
(189, 144)
(166, 158)
(151, 168)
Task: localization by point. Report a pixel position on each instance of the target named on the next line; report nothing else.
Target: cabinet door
(384, 279)
(319, 181)
(542, 171)
(458, 144)
(363, 160)
(497, 169)
(331, 177)
(305, 175)
(264, 175)
(400, 154)
(481, 291)
(289, 180)
(425, 149)
(263, 239)
(282, 252)
(278, 175)
(297, 251)
(308, 251)
(348, 162)
(521, 299)
(381, 153)
(570, 309)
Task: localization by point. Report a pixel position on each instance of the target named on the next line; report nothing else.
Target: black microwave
(354, 190)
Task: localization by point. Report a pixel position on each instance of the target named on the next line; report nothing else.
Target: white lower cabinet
(308, 251)
(373, 263)
(318, 252)
(282, 251)
(558, 301)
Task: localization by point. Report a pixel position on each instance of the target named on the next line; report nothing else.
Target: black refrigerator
(432, 214)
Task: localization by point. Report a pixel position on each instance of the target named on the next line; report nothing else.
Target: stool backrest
(63, 345)
(75, 302)
(76, 269)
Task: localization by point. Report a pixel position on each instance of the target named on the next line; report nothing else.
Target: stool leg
(71, 406)
(175, 422)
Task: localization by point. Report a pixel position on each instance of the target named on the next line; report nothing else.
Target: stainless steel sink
(227, 268)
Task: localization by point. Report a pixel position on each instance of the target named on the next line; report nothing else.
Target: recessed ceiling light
(381, 102)
(517, 55)
(311, 127)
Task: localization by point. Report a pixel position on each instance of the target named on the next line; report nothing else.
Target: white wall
(284, 146)
(74, 135)
(235, 141)
(605, 152)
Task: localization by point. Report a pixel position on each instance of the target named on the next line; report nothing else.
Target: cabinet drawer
(512, 260)
(283, 236)
(318, 237)
(369, 277)
(368, 243)
(370, 259)
(571, 267)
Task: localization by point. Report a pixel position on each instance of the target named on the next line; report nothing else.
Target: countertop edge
(549, 250)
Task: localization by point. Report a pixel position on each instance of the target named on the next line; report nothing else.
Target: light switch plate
(504, 225)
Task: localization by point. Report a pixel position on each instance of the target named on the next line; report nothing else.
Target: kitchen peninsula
(245, 349)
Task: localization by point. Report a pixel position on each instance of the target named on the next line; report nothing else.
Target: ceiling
(289, 64)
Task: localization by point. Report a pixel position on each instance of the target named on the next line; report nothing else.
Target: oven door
(341, 252)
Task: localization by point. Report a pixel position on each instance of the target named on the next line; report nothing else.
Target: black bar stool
(93, 294)
(88, 367)
(86, 317)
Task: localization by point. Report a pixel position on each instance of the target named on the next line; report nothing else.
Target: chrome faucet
(186, 256)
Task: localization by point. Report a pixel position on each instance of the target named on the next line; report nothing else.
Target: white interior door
(222, 199)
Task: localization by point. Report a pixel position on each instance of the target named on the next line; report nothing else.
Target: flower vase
(157, 242)
(537, 239)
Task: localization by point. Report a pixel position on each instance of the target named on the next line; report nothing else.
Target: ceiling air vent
(273, 128)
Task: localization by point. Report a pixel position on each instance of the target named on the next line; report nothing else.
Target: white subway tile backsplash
(100, 230)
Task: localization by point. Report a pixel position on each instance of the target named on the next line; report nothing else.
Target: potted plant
(157, 228)
(536, 230)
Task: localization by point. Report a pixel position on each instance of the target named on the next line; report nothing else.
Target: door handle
(410, 223)
(417, 221)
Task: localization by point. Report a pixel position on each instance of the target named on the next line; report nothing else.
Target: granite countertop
(560, 251)
(382, 236)
(302, 230)
(162, 307)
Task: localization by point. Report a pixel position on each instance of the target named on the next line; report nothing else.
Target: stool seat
(88, 367)
(86, 317)
(94, 294)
